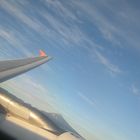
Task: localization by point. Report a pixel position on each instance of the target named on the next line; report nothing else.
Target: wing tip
(42, 53)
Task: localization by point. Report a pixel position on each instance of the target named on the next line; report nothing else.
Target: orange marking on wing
(42, 53)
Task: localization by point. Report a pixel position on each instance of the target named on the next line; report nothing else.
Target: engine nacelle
(69, 136)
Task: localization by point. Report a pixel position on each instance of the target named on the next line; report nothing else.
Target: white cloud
(106, 62)
(12, 38)
(31, 22)
(135, 90)
(123, 30)
(91, 102)
(15, 11)
(60, 9)
(70, 33)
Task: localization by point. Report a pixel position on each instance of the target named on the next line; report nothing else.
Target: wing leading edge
(12, 68)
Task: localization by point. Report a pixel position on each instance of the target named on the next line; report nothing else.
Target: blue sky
(93, 79)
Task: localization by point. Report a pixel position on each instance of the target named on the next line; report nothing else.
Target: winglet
(42, 53)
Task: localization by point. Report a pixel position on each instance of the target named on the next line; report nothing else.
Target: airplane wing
(12, 68)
